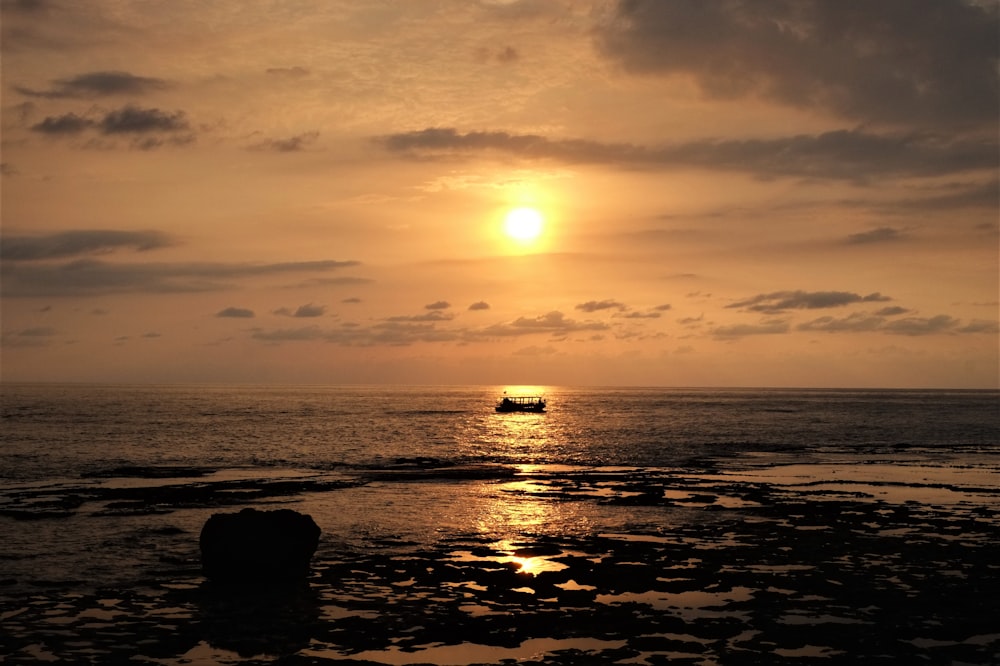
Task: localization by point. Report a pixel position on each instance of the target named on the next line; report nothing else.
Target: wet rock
(258, 547)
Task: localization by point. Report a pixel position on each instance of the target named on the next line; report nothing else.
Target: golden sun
(523, 224)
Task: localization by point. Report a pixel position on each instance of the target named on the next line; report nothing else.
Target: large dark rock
(254, 547)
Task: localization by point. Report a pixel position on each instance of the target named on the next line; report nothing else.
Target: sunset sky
(732, 192)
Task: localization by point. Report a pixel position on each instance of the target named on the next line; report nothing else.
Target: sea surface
(103, 491)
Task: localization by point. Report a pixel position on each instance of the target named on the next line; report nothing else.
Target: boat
(521, 403)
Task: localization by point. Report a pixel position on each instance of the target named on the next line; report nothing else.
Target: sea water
(107, 486)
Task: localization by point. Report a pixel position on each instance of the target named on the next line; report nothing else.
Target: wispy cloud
(97, 84)
(769, 327)
(66, 244)
(290, 144)
(781, 301)
(853, 155)
(89, 277)
(878, 235)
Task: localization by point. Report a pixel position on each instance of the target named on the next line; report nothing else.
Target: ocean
(624, 525)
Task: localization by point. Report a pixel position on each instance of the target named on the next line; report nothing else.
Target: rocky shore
(744, 570)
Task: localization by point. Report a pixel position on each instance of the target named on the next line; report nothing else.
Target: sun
(523, 224)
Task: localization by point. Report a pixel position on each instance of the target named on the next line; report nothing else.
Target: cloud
(97, 84)
(38, 336)
(640, 315)
(238, 313)
(926, 62)
(132, 119)
(780, 301)
(402, 331)
(878, 235)
(860, 322)
(553, 323)
(78, 243)
(291, 72)
(771, 327)
(438, 305)
(148, 128)
(480, 305)
(434, 315)
(853, 155)
(892, 311)
(89, 277)
(310, 310)
(289, 145)
(856, 322)
(535, 350)
(69, 123)
(663, 308)
(594, 306)
(981, 326)
(922, 326)
(392, 333)
(352, 299)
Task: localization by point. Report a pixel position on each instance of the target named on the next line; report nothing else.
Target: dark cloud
(480, 305)
(771, 327)
(780, 301)
(640, 315)
(663, 308)
(8, 169)
(134, 120)
(438, 305)
(310, 310)
(78, 243)
(289, 145)
(237, 313)
(352, 299)
(97, 84)
(148, 128)
(878, 235)
(89, 277)
(927, 62)
(594, 306)
(69, 123)
(892, 311)
(854, 155)
(26, 6)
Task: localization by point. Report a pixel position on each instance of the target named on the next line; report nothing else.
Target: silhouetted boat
(521, 404)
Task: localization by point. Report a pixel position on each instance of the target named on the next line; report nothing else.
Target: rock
(253, 547)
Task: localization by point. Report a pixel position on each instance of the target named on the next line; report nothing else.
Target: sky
(797, 193)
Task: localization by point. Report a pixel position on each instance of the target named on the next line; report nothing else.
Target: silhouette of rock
(258, 547)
